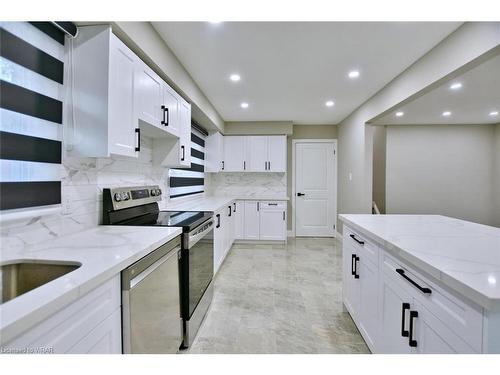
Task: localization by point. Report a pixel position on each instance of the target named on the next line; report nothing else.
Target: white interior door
(315, 189)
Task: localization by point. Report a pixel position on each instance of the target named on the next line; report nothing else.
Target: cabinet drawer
(272, 205)
(361, 245)
(463, 318)
(71, 324)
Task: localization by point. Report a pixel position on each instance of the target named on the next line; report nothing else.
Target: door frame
(294, 196)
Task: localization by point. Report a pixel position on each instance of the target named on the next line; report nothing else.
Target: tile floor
(280, 299)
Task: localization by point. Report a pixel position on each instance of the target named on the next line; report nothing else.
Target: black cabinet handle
(165, 121)
(168, 117)
(244, 165)
(353, 262)
(355, 239)
(138, 147)
(265, 165)
(222, 164)
(283, 215)
(230, 210)
(421, 288)
(405, 306)
(356, 260)
(183, 153)
(412, 341)
(218, 220)
(300, 194)
(268, 165)
(258, 206)
(272, 204)
(234, 207)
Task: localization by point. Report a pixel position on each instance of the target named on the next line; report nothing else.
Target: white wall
(441, 169)
(496, 186)
(467, 43)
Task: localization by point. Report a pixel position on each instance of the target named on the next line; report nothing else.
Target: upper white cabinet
(104, 97)
(118, 99)
(214, 152)
(234, 154)
(254, 154)
(149, 95)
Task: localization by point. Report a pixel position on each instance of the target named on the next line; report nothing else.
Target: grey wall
(469, 42)
(496, 186)
(441, 169)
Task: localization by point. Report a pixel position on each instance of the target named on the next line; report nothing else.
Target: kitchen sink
(21, 277)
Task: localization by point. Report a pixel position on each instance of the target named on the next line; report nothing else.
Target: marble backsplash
(82, 181)
(246, 184)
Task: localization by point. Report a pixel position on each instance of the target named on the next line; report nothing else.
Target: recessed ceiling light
(244, 105)
(446, 113)
(399, 114)
(330, 103)
(456, 86)
(234, 77)
(353, 74)
(214, 22)
(494, 113)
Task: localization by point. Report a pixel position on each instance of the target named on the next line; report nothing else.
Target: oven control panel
(126, 197)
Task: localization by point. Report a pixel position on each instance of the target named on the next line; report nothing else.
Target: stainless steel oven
(196, 277)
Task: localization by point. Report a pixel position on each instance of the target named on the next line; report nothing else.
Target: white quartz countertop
(464, 256)
(103, 252)
(213, 203)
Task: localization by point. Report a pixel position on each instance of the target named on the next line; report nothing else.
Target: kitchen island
(422, 283)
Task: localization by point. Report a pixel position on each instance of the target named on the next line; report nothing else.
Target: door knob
(300, 194)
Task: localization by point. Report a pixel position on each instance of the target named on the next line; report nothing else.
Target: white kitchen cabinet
(239, 218)
(104, 97)
(234, 154)
(252, 220)
(257, 153)
(219, 240)
(214, 152)
(399, 310)
(272, 221)
(170, 110)
(266, 153)
(277, 153)
(149, 95)
(90, 324)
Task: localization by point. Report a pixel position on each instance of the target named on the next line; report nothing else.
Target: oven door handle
(194, 238)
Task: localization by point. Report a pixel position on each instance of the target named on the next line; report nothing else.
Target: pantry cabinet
(399, 310)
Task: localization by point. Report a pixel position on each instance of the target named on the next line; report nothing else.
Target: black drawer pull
(230, 210)
(354, 266)
(355, 239)
(405, 306)
(412, 341)
(183, 153)
(222, 164)
(138, 131)
(218, 221)
(421, 288)
(272, 204)
(234, 207)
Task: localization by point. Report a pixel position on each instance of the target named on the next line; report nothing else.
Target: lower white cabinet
(251, 220)
(224, 234)
(272, 221)
(399, 310)
(91, 324)
(239, 220)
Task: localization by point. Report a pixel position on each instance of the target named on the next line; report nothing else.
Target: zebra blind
(190, 181)
(31, 114)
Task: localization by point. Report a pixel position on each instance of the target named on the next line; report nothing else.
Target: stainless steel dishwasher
(151, 318)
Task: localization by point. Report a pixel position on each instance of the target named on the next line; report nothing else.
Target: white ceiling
(290, 69)
(471, 104)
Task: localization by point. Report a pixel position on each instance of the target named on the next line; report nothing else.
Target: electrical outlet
(66, 206)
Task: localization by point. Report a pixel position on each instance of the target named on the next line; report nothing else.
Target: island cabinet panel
(91, 324)
(399, 309)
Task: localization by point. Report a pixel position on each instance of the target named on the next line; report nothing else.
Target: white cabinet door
(228, 227)
(368, 300)
(239, 226)
(122, 119)
(350, 285)
(170, 110)
(252, 220)
(105, 338)
(234, 154)
(277, 153)
(185, 134)
(394, 309)
(214, 152)
(219, 240)
(272, 221)
(149, 95)
(257, 153)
